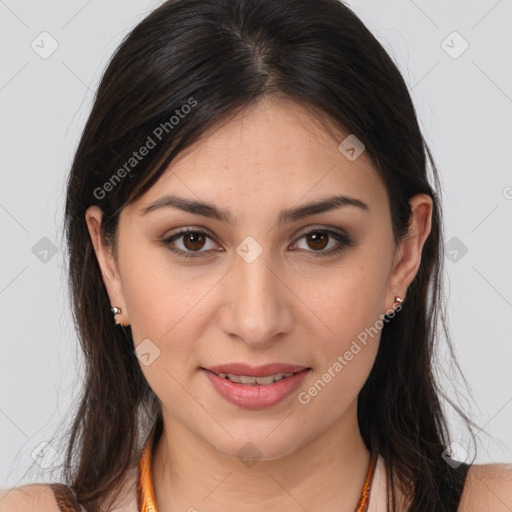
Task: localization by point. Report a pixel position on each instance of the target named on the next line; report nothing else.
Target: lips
(255, 387)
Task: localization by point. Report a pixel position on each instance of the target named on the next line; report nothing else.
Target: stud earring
(398, 300)
(116, 311)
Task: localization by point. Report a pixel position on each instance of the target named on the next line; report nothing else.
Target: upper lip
(255, 371)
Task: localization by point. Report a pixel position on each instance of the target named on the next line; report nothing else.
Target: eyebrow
(208, 210)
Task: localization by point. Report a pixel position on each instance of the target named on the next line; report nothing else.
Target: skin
(290, 305)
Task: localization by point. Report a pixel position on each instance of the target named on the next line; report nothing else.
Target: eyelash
(344, 239)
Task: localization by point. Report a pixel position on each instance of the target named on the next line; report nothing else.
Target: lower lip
(254, 396)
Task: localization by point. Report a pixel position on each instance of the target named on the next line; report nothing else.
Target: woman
(255, 266)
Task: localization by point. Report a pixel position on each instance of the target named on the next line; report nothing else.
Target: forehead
(274, 151)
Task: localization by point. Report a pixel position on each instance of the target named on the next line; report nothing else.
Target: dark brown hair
(218, 57)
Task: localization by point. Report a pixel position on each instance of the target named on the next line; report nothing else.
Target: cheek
(346, 352)
(158, 292)
(162, 306)
(348, 299)
(350, 310)
(169, 305)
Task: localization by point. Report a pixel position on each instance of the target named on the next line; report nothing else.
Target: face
(250, 285)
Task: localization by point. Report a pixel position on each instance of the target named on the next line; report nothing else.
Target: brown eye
(317, 240)
(189, 243)
(194, 241)
(320, 239)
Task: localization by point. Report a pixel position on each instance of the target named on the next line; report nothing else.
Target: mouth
(252, 380)
(256, 388)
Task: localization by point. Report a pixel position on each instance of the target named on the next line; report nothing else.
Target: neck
(326, 474)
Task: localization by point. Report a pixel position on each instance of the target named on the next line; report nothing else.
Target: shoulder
(488, 487)
(27, 498)
(40, 497)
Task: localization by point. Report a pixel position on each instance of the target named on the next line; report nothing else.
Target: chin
(257, 446)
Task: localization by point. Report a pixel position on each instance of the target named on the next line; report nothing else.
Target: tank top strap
(451, 488)
(66, 499)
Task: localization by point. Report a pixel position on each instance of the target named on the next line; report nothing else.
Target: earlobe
(106, 261)
(408, 253)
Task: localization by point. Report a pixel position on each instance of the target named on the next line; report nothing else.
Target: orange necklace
(146, 498)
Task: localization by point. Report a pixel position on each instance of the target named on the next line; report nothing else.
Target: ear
(408, 254)
(108, 265)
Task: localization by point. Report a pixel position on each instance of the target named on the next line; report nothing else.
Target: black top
(451, 491)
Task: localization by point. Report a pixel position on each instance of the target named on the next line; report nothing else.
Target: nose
(258, 304)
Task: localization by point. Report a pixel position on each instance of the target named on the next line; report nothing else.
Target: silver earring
(116, 311)
(398, 300)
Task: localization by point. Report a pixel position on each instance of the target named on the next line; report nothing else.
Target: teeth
(262, 381)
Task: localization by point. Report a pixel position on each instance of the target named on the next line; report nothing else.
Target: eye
(319, 239)
(193, 241)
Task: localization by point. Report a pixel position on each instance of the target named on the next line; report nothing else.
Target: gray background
(464, 101)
